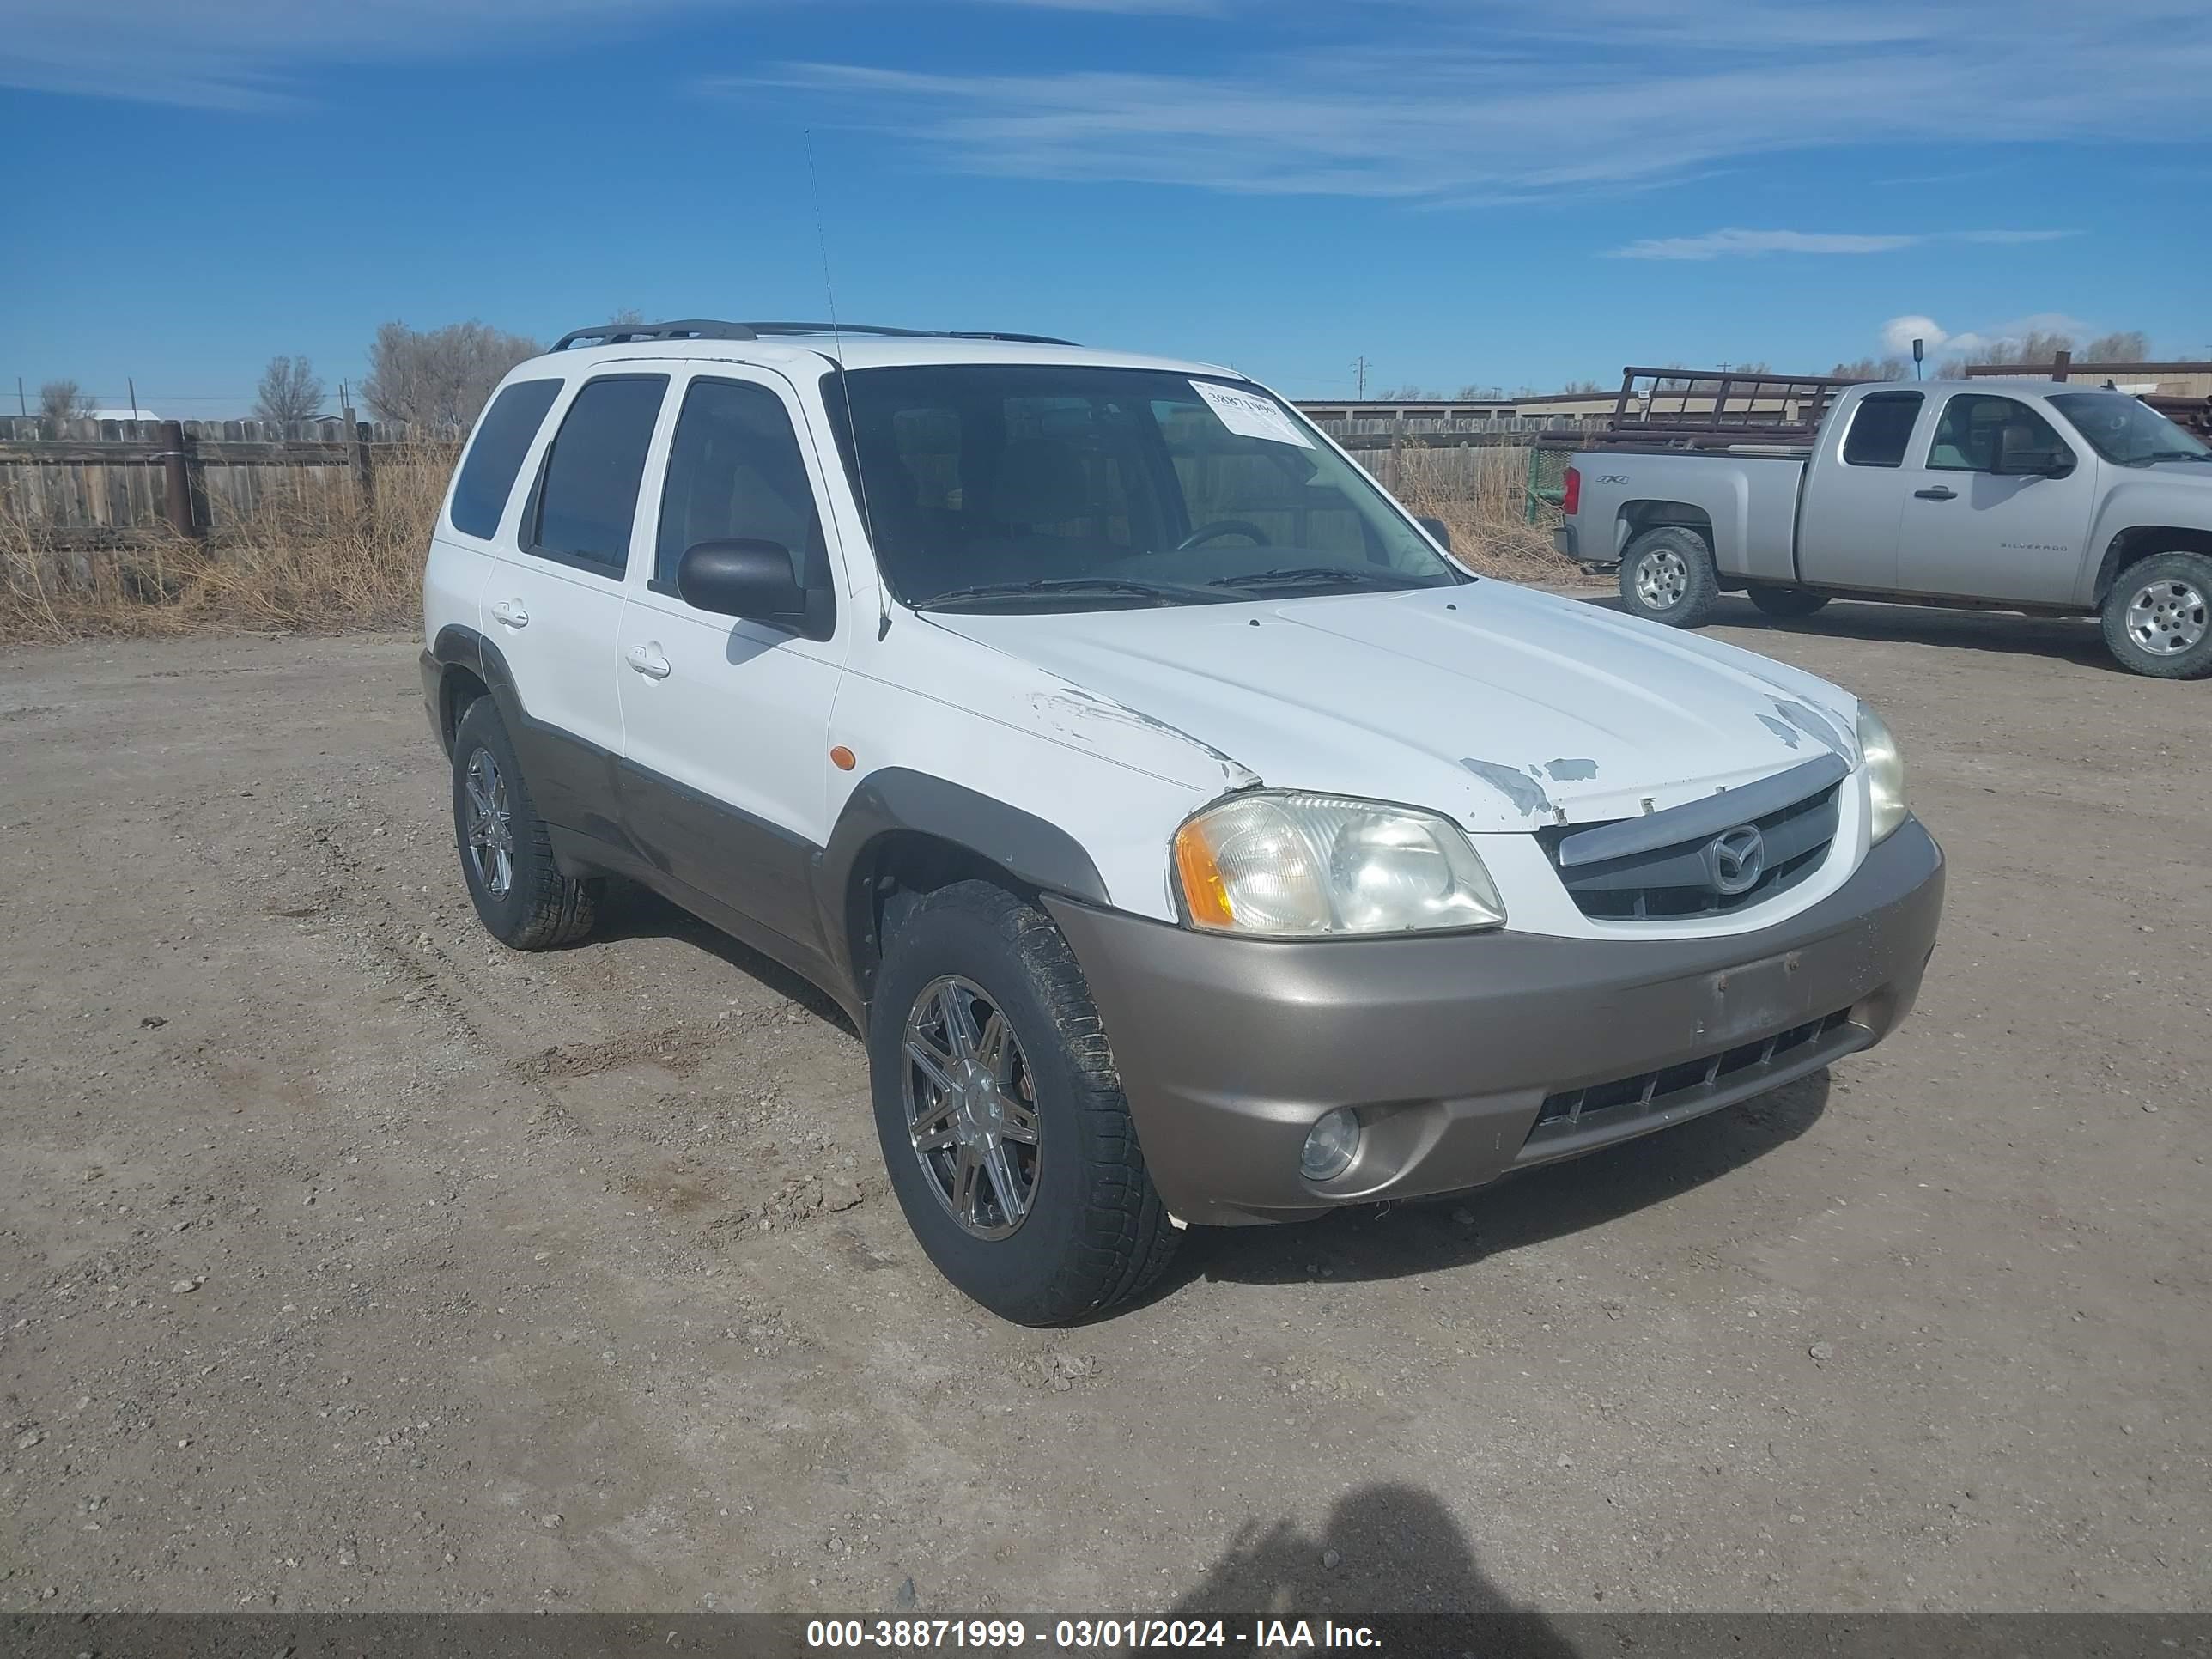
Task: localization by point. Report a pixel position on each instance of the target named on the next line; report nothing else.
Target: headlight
(1297, 865)
(1885, 771)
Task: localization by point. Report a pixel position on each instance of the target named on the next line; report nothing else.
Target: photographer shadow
(1386, 1550)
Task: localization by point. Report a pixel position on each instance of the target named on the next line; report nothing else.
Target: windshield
(1062, 486)
(2127, 430)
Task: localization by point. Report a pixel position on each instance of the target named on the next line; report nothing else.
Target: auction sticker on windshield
(1250, 415)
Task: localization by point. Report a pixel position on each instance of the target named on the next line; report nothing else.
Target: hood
(1502, 706)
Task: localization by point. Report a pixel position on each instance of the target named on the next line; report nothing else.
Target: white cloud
(1480, 99)
(253, 55)
(1733, 242)
(1718, 244)
(1898, 333)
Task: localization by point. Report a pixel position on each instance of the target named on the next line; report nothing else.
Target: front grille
(1677, 880)
(1651, 1090)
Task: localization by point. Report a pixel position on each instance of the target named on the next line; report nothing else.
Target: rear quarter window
(503, 439)
(1880, 429)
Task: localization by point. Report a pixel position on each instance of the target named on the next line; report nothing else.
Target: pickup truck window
(1881, 429)
(2127, 431)
(1066, 486)
(1971, 435)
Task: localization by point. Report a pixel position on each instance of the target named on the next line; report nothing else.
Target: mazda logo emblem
(1737, 858)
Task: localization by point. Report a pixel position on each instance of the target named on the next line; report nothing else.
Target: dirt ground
(350, 1262)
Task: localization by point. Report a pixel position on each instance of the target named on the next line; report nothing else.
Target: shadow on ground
(633, 912)
(2069, 639)
(1385, 1549)
(1375, 1243)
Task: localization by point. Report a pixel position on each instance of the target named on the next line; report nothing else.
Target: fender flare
(1033, 851)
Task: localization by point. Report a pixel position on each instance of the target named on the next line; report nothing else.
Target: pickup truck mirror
(1438, 529)
(2020, 454)
(743, 577)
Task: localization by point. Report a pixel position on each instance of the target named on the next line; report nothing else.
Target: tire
(1786, 604)
(1667, 576)
(527, 902)
(1089, 1231)
(2155, 617)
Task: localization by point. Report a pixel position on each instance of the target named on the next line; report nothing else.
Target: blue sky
(1460, 190)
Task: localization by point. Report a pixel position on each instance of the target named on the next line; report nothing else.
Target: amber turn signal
(843, 758)
(1203, 890)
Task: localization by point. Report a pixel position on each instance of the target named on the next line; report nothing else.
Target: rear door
(553, 608)
(725, 765)
(1847, 522)
(1976, 531)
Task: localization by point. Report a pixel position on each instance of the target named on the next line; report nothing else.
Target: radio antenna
(845, 386)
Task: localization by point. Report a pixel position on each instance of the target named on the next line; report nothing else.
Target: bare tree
(290, 392)
(1872, 368)
(2123, 346)
(63, 400)
(627, 317)
(440, 376)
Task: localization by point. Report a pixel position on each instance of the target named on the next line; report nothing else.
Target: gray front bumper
(1229, 1049)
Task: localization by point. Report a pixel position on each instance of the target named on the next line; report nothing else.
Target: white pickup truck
(2020, 496)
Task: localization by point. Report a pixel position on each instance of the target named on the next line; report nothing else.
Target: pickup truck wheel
(2155, 620)
(1004, 1128)
(1667, 576)
(506, 857)
(1786, 603)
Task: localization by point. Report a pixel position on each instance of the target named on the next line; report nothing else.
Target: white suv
(1192, 838)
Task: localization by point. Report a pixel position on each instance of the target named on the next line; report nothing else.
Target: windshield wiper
(2179, 455)
(1316, 575)
(1068, 586)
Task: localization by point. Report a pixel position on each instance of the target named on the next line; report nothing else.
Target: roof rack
(706, 328)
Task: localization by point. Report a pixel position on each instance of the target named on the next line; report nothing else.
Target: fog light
(1330, 1144)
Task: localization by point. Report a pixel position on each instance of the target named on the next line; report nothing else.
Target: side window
(735, 473)
(587, 492)
(1881, 429)
(503, 437)
(1970, 437)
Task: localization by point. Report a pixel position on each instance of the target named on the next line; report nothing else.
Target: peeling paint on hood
(1504, 708)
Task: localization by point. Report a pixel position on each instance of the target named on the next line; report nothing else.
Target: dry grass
(307, 558)
(1482, 494)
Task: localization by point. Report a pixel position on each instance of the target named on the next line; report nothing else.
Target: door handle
(1941, 493)
(510, 613)
(648, 661)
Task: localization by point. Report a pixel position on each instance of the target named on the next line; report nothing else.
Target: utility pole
(133, 384)
(22, 408)
(1359, 368)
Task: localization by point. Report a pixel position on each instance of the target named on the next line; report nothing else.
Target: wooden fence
(98, 482)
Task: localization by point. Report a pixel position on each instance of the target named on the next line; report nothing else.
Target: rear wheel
(1004, 1128)
(1786, 603)
(1667, 576)
(507, 854)
(2155, 617)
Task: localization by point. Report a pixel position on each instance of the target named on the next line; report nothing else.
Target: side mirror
(742, 577)
(1439, 529)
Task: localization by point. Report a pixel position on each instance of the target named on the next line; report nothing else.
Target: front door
(1982, 520)
(726, 721)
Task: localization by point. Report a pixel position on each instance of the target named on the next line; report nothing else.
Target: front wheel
(1786, 604)
(1004, 1128)
(1667, 576)
(2154, 617)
